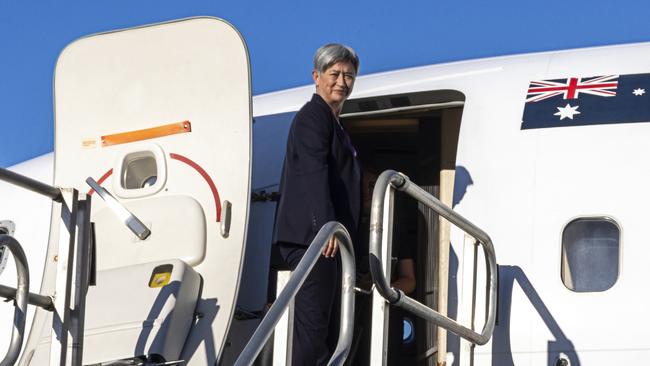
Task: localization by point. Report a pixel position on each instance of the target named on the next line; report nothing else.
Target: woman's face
(335, 84)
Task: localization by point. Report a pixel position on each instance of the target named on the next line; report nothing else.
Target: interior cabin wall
(422, 146)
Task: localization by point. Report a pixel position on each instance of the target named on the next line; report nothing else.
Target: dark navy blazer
(321, 177)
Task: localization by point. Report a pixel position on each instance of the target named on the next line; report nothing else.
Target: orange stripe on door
(146, 134)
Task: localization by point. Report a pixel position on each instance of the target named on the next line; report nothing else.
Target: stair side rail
(394, 180)
(75, 249)
(264, 330)
(20, 299)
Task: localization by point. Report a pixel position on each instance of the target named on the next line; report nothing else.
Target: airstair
(73, 310)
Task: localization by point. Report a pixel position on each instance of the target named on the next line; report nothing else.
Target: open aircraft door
(160, 117)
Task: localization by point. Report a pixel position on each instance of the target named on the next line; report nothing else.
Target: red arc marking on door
(205, 176)
(197, 167)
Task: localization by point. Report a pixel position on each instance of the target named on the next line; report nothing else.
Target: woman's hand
(405, 276)
(331, 248)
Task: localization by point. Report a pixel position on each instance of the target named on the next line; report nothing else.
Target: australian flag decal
(580, 101)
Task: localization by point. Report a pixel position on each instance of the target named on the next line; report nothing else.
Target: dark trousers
(316, 308)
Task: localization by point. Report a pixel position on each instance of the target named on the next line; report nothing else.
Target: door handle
(226, 218)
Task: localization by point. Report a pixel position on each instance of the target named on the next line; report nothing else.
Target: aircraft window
(139, 170)
(590, 254)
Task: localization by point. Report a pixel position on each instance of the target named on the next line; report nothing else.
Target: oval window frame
(607, 218)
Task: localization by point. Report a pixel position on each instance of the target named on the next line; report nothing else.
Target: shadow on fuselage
(501, 351)
(508, 275)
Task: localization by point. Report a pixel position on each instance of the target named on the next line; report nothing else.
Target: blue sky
(282, 36)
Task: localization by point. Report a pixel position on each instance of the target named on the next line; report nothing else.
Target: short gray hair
(331, 53)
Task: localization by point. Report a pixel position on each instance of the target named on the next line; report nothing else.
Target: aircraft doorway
(415, 134)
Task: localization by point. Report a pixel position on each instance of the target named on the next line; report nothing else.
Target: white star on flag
(638, 92)
(567, 111)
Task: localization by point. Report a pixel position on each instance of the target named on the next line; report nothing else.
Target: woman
(321, 182)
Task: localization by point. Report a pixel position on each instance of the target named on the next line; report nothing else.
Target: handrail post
(376, 229)
(72, 278)
(396, 297)
(264, 330)
(379, 310)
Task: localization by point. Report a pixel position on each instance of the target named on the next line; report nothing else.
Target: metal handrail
(264, 330)
(20, 311)
(31, 184)
(395, 296)
(41, 301)
(70, 323)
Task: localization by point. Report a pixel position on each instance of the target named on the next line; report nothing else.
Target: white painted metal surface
(159, 322)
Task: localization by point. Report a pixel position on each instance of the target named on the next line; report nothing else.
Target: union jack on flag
(555, 103)
(602, 86)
